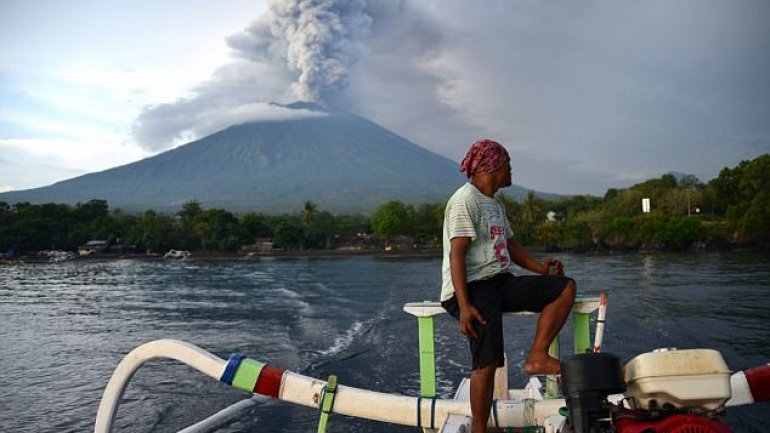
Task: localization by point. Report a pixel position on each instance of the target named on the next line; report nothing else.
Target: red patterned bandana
(484, 156)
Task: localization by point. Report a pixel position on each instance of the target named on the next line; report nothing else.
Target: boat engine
(664, 391)
(675, 391)
(587, 380)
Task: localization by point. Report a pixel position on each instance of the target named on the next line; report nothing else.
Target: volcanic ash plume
(322, 41)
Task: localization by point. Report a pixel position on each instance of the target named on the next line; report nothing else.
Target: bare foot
(541, 364)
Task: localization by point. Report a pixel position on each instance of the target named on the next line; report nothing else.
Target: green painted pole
(580, 324)
(552, 380)
(427, 357)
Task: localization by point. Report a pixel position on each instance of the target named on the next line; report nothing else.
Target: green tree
(390, 219)
(527, 217)
(574, 205)
(218, 229)
(351, 227)
(577, 233)
(690, 181)
(533, 209)
(675, 201)
(324, 232)
(619, 232)
(611, 194)
(121, 225)
(190, 210)
(256, 225)
(311, 236)
(154, 232)
(738, 186)
(91, 210)
(754, 225)
(628, 202)
(288, 234)
(550, 234)
(679, 232)
(648, 228)
(427, 222)
(755, 177)
(186, 217)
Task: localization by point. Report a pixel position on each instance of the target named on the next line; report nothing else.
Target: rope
(419, 418)
(326, 402)
(324, 392)
(432, 412)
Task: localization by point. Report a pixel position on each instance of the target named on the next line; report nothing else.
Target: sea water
(64, 327)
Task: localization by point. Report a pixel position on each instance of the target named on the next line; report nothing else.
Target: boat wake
(339, 350)
(344, 341)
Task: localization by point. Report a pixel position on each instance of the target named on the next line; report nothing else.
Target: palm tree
(308, 212)
(533, 209)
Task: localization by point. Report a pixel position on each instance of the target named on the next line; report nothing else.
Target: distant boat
(177, 254)
(56, 256)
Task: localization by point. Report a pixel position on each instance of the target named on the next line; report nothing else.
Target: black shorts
(499, 294)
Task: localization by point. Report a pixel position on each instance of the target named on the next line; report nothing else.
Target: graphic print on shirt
(497, 234)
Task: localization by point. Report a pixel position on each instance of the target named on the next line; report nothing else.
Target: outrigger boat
(664, 391)
(56, 256)
(177, 254)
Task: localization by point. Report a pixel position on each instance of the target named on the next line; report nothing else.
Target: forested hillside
(730, 210)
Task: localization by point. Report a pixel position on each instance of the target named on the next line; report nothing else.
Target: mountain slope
(339, 161)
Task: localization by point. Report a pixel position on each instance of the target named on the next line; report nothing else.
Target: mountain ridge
(339, 161)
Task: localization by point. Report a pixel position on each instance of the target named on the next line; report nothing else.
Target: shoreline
(410, 253)
(220, 256)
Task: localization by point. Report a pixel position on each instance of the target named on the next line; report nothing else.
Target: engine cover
(697, 380)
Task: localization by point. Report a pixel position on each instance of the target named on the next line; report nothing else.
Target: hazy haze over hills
(340, 162)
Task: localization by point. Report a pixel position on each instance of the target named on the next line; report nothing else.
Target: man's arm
(521, 257)
(468, 313)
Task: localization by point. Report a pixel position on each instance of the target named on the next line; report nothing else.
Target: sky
(585, 95)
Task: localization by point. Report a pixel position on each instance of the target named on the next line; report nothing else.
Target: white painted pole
(183, 352)
(400, 409)
(600, 317)
(306, 391)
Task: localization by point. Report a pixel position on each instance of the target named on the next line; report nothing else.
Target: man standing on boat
(478, 285)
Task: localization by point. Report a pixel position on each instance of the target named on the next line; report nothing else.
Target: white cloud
(74, 77)
(169, 125)
(82, 155)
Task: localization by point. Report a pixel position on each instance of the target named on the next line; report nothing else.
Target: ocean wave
(344, 341)
(296, 299)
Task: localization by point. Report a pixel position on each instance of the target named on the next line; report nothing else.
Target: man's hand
(557, 265)
(468, 315)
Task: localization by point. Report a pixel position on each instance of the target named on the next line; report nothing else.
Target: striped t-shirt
(470, 213)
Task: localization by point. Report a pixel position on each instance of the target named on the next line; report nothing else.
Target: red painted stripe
(269, 381)
(759, 382)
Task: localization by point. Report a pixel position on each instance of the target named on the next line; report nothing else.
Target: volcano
(339, 161)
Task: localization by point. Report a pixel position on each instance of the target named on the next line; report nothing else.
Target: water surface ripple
(64, 328)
